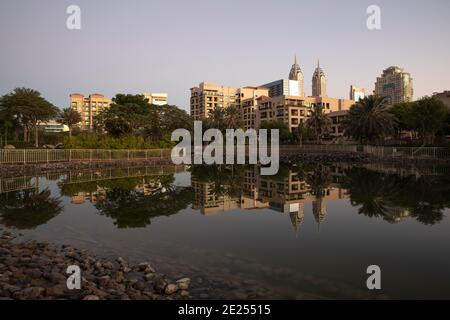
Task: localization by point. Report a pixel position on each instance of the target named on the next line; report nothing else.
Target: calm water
(309, 232)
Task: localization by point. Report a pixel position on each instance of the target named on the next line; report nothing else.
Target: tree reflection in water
(132, 202)
(28, 209)
(134, 206)
(394, 197)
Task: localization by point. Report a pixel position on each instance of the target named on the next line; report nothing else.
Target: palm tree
(233, 117)
(216, 119)
(369, 120)
(70, 117)
(319, 122)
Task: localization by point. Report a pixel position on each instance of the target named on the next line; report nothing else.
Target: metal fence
(318, 148)
(25, 156)
(408, 152)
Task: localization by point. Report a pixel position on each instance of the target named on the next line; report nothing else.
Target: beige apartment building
(208, 96)
(88, 107)
(294, 111)
(157, 99)
(395, 84)
(282, 100)
(246, 101)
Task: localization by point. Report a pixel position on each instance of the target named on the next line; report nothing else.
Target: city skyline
(137, 50)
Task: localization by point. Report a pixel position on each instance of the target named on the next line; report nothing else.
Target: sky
(138, 46)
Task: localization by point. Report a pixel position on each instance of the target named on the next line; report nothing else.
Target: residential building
(294, 111)
(285, 87)
(337, 118)
(444, 97)
(281, 100)
(207, 96)
(395, 84)
(357, 93)
(158, 99)
(319, 82)
(246, 100)
(53, 126)
(88, 107)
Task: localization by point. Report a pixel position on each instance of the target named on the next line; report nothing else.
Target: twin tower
(319, 82)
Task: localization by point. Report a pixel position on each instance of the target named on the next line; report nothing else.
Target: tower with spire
(296, 74)
(319, 82)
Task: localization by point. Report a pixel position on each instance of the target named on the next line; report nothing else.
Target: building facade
(444, 97)
(157, 99)
(357, 93)
(208, 96)
(281, 100)
(296, 74)
(88, 107)
(53, 126)
(395, 84)
(319, 82)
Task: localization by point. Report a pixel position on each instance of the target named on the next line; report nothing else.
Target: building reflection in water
(134, 196)
(288, 194)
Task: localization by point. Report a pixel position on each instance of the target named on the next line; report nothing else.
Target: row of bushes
(92, 141)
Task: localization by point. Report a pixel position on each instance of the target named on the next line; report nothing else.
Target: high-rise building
(296, 74)
(88, 107)
(158, 99)
(285, 87)
(395, 84)
(444, 97)
(357, 93)
(319, 82)
(208, 96)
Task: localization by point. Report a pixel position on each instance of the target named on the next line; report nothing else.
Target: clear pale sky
(170, 46)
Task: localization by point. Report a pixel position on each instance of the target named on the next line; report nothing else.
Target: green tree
(70, 117)
(29, 108)
(216, 119)
(429, 115)
(233, 117)
(369, 120)
(318, 122)
(284, 133)
(403, 114)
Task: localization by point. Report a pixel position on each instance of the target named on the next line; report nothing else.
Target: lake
(309, 232)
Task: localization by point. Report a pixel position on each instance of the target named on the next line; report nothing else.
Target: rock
(91, 297)
(33, 292)
(56, 291)
(203, 296)
(9, 147)
(183, 284)
(56, 277)
(184, 293)
(159, 283)
(171, 288)
(149, 276)
(103, 281)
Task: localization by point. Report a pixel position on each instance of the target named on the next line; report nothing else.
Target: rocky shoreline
(36, 271)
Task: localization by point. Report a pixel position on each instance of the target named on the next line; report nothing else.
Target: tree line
(370, 120)
(22, 110)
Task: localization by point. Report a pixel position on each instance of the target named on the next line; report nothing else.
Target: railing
(318, 148)
(408, 152)
(25, 156)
